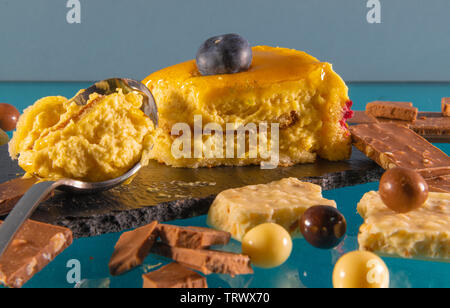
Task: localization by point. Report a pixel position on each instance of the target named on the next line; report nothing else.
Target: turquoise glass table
(307, 267)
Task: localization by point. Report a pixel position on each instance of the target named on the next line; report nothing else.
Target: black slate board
(163, 193)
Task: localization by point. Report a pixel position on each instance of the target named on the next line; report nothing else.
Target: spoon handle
(22, 211)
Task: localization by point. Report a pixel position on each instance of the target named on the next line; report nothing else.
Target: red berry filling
(347, 114)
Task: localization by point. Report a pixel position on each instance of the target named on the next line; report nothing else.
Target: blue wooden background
(133, 38)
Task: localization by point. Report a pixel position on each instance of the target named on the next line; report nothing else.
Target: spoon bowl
(38, 192)
(80, 187)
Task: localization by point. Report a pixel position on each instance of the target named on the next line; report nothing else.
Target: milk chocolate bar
(428, 124)
(206, 261)
(393, 145)
(132, 248)
(439, 184)
(446, 106)
(361, 117)
(392, 110)
(395, 121)
(33, 248)
(12, 191)
(432, 125)
(192, 237)
(174, 275)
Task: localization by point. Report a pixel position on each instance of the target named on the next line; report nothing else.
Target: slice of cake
(283, 202)
(423, 233)
(304, 96)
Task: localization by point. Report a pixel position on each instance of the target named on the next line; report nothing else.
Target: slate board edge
(118, 221)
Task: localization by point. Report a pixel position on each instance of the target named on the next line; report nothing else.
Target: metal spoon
(38, 192)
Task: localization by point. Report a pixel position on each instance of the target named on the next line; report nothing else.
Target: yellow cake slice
(283, 202)
(56, 138)
(304, 96)
(423, 233)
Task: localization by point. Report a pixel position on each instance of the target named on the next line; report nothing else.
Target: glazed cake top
(270, 65)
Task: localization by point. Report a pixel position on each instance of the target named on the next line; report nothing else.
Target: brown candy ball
(9, 116)
(403, 190)
(323, 226)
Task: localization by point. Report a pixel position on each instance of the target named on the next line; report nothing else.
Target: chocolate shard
(392, 145)
(394, 121)
(12, 191)
(439, 184)
(432, 124)
(361, 117)
(33, 248)
(174, 275)
(192, 237)
(392, 110)
(206, 261)
(132, 248)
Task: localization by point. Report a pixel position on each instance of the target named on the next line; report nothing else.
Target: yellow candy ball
(360, 269)
(268, 245)
(4, 139)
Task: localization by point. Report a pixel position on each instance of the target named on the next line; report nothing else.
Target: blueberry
(224, 54)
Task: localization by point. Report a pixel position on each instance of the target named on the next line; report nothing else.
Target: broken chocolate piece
(207, 261)
(174, 275)
(392, 145)
(361, 117)
(12, 191)
(192, 237)
(392, 110)
(132, 248)
(394, 121)
(432, 124)
(33, 248)
(446, 106)
(439, 184)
